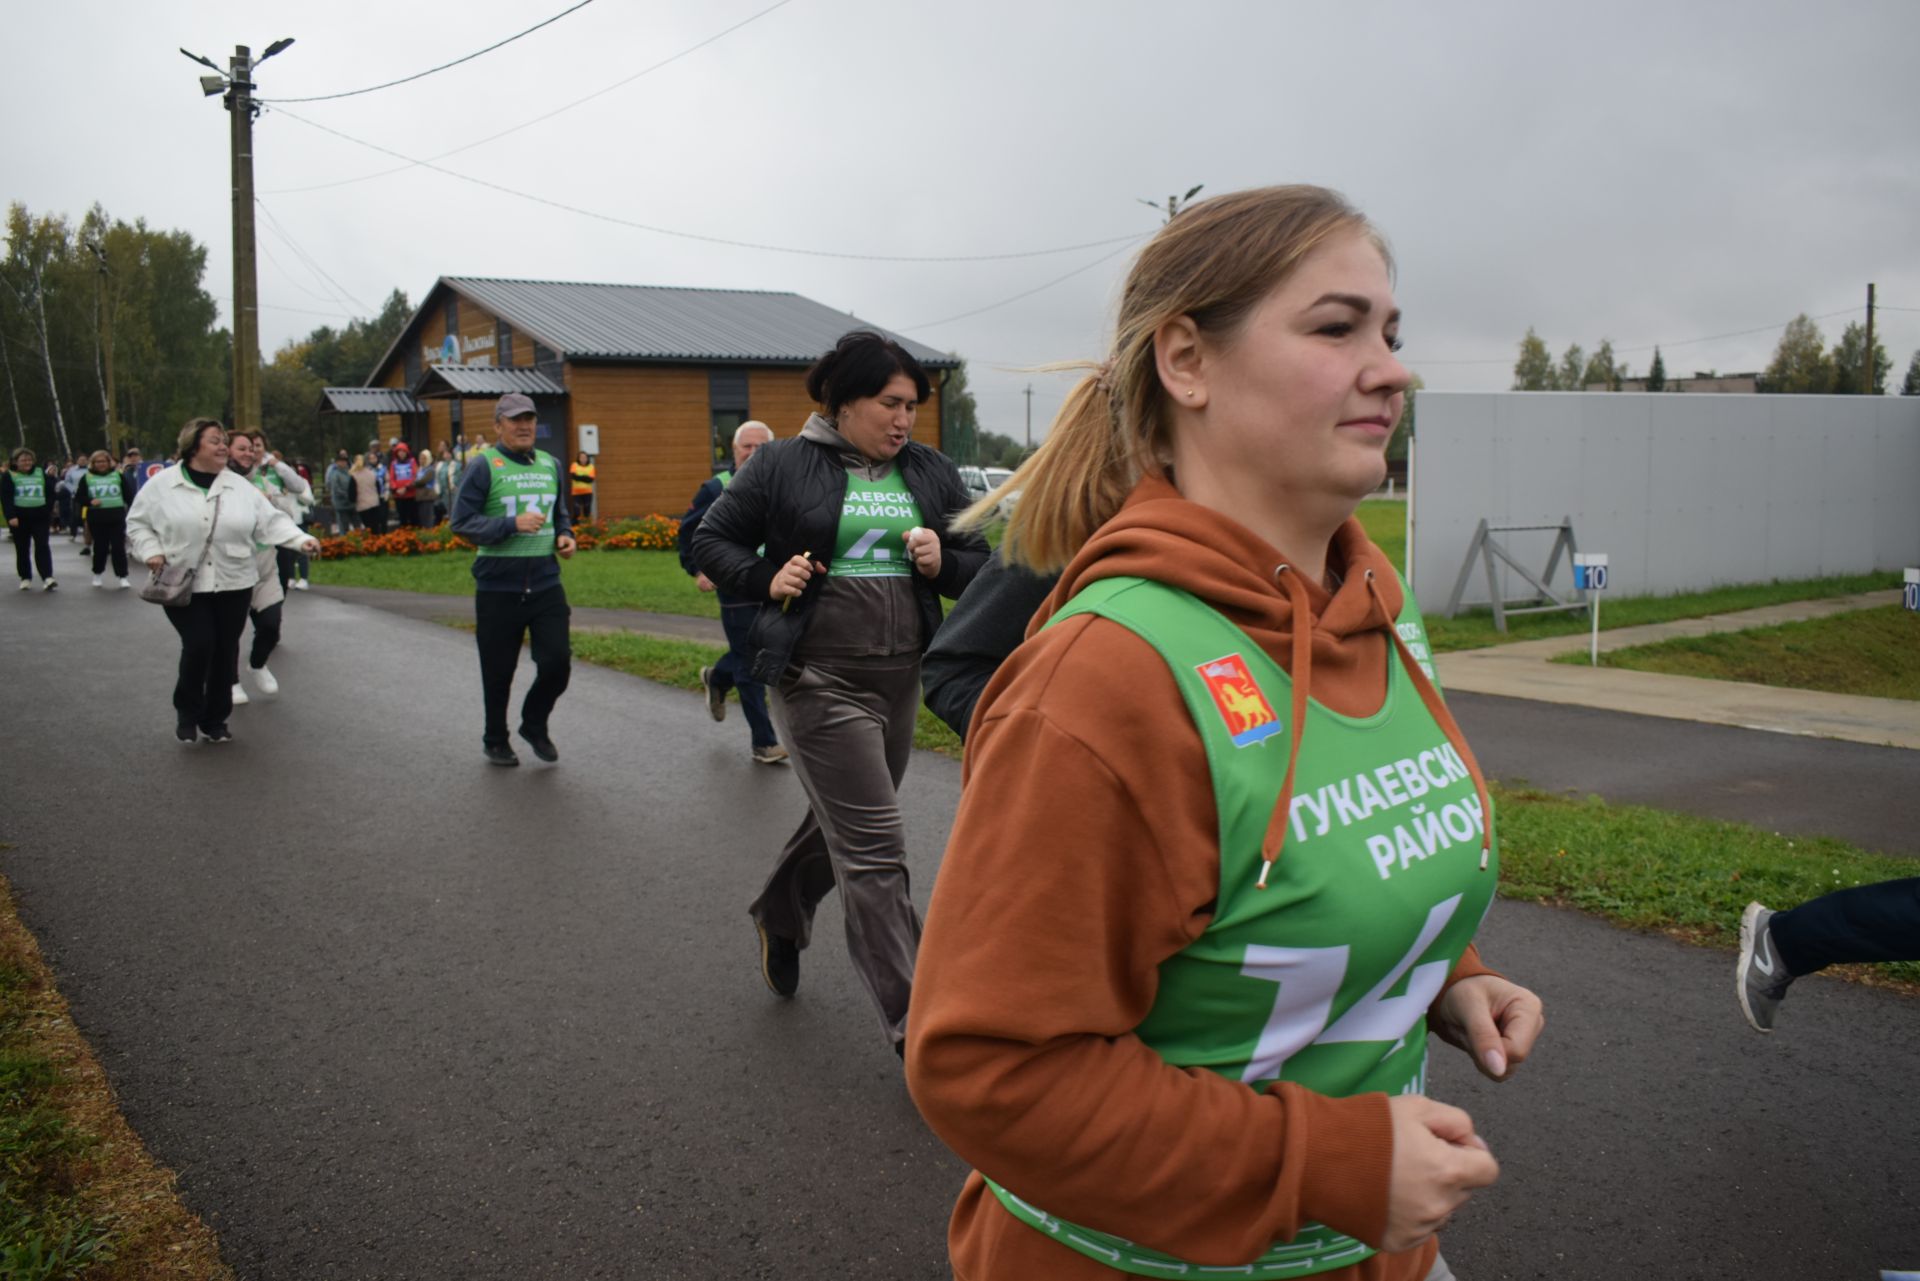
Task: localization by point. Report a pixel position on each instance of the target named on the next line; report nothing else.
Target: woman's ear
(1180, 361)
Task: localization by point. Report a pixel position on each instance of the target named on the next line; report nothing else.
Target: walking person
(510, 508)
(1221, 849)
(286, 489)
(736, 615)
(369, 496)
(1879, 922)
(580, 476)
(247, 458)
(853, 516)
(102, 496)
(202, 514)
(25, 497)
(339, 483)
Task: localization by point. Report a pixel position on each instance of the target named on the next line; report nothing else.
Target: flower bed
(644, 533)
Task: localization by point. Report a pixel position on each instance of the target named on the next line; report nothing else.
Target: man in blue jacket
(736, 615)
(510, 507)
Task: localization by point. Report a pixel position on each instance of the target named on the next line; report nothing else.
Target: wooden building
(664, 374)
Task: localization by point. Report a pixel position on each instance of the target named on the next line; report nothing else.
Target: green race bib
(30, 488)
(105, 491)
(874, 519)
(522, 487)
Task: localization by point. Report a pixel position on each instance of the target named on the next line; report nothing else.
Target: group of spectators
(393, 488)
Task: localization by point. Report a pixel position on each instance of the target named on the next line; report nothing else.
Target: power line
(365, 177)
(351, 93)
(712, 240)
(308, 258)
(992, 306)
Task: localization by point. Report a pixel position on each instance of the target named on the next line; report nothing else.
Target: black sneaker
(542, 746)
(186, 732)
(779, 962)
(499, 754)
(217, 733)
(716, 697)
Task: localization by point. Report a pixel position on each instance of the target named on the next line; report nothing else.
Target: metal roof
(486, 380)
(368, 400)
(658, 323)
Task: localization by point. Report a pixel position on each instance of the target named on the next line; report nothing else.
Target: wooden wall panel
(654, 431)
(778, 398)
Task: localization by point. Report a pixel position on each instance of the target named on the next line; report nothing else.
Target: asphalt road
(391, 1013)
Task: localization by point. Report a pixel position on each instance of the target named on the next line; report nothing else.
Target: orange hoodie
(1084, 853)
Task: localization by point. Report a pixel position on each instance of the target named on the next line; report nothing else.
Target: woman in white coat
(202, 514)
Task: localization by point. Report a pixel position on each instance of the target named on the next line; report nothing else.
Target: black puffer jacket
(789, 499)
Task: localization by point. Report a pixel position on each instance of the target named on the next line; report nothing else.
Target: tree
(959, 416)
(1602, 369)
(1911, 387)
(1572, 365)
(1800, 364)
(996, 450)
(1534, 370)
(1849, 363)
(1657, 373)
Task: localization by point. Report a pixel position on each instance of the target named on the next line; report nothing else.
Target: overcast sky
(1641, 172)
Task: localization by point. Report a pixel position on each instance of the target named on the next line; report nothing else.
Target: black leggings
(31, 538)
(266, 634)
(209, 625)
(109, 526)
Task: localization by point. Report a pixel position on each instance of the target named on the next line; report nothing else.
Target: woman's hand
(923, 545)
(156, 563)
(1438, 1161)
(1494, 1021)
(564, 545)
(792, 578)
(311, 546)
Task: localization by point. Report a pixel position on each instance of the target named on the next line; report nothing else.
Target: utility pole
(238, 87)
(1029, 395)
(1866, 388)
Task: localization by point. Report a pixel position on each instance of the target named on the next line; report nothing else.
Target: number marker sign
(1590, 575)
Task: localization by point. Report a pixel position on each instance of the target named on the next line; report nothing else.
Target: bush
(645, 533)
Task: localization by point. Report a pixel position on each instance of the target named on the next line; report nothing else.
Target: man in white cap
(510, 507)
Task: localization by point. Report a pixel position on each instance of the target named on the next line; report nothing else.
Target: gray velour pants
(849, 724)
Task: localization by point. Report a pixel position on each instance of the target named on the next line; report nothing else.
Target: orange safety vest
(582, 479)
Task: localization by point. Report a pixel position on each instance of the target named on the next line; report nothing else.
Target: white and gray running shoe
(1761, 979)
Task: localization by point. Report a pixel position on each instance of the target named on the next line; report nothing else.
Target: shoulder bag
(172, 585)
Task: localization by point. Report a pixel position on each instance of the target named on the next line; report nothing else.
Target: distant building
(665, 374)
(1743, 384)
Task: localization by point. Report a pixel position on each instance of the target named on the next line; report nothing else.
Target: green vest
(29, 488)
(1323, 977)
(522, 487)
(875, 516)
(725, 478)
(266, 478)
(105, 491)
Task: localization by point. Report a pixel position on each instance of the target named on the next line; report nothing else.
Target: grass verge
(651, 581)
(1875, 652)
(1684, 876)
(80, 1198)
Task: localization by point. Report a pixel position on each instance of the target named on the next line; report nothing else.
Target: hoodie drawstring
(1301, 676)
(1438, 710)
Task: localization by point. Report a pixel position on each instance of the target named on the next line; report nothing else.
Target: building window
(413, 366)
(503, 340)
(727, 409)
(544, 355)
(453, 315)
(457, 415)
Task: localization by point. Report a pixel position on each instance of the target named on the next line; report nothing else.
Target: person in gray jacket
(853, 516)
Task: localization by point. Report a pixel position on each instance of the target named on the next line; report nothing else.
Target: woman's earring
(1189, 393)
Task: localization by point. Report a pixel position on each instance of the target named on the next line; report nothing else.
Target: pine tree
(1911, 387)
(1657, 373)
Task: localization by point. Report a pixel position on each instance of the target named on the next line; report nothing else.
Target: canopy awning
(486, 380)
(368, 400)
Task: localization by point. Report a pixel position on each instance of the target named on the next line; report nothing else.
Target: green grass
(650, 581)
(45, 1233)
(1688, 876)
(678, 663)
(1875, 652)
(1474, 629)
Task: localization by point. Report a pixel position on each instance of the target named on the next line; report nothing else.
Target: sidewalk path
(1522, 670)
(391, 1013)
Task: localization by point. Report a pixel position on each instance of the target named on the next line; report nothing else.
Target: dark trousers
(266, 634)
(375, 518)
(289, 565)
(501, 620)
(582, 508)
(209, 625)
(109, 538)
(1866, 923)
(731, 672)
(32, 537)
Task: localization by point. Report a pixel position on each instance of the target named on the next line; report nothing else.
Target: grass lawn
(1875, 652)
(651, 581)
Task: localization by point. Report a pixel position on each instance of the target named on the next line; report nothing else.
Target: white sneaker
(240, 694)
(264, 679)
(49, 585)
(26, 584)
(124, 584)
(99, 581)
(299, 584)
